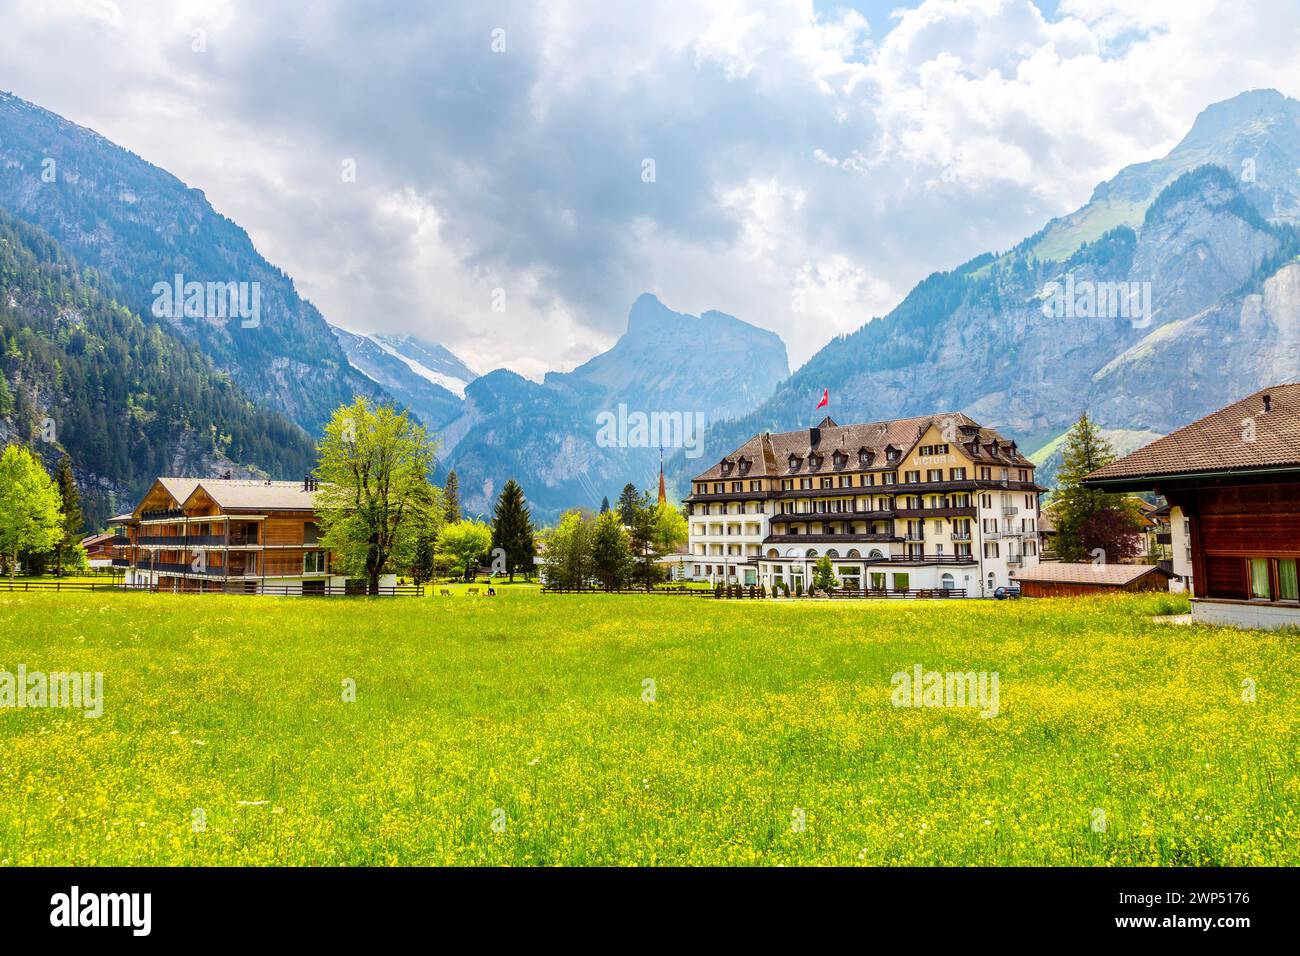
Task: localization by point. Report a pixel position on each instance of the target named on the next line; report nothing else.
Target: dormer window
(727, 465)
(815, 461)
(794, 462)
(744, 466)
(865, 457)
(891, 453)
(840, 459)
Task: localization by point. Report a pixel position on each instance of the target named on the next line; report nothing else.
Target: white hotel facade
(929, 503)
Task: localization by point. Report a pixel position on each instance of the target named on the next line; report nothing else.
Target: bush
(717, 591)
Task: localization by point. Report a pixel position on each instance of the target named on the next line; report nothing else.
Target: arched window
(832, 553)
(947, 583)
(875, 553)
(772, 553)
(993, 582)
(853, 553)
(812, 553)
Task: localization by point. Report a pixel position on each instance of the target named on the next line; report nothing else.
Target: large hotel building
(935, 502)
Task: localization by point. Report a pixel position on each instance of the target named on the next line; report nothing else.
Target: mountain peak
(1251, 112)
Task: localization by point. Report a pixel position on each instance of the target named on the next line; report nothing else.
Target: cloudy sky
(801, 151)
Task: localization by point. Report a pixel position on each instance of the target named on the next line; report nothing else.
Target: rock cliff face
(549, 436)
(1170, 294)
(422, 390)
(141, 226)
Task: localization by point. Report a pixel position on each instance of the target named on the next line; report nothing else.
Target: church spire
(663, 495)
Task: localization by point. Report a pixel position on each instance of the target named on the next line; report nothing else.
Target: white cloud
(796, 152)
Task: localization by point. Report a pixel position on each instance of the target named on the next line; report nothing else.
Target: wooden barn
(1061, 579)
(1235, 476)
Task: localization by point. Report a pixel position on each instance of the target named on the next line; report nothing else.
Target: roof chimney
(1268, 403)
(306, 482)
(227, 476)
(814, 436)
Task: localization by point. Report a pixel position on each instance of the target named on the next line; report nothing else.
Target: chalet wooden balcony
(187, 569)
(196, 541)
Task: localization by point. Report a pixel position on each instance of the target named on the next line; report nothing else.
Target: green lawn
(527, 711)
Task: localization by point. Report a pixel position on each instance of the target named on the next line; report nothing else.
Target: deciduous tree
(466, 543)
(568, 552)
(31, 519)
(374, 496)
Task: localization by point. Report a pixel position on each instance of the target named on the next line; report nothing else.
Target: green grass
(532, 705)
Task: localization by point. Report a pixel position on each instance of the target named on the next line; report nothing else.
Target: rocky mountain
(143, 228)
(431, 362)
(1175, 290)
(579, 436)
(435, 394)
(124, 396)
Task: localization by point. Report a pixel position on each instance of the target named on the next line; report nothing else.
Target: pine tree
(1075, 508)
(611, 553)
(604, 504)
(73, 520)
(512, 530)
(451, 498)
(628, 502)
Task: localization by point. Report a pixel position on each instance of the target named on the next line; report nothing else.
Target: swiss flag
(826, 398)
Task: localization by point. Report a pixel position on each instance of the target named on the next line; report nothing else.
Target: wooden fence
(281, 590)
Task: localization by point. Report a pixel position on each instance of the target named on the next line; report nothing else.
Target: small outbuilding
(1063, 579)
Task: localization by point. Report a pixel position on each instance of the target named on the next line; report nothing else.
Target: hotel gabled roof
(769, 453)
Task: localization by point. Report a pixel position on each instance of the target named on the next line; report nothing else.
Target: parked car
(1003, 594)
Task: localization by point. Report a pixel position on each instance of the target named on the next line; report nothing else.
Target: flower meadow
(534, 729)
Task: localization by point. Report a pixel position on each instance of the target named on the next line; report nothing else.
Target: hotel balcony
(914, 536)
(831, 539)
(944, 511)
(961, 536)
(926, 559)
(1009, 510)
